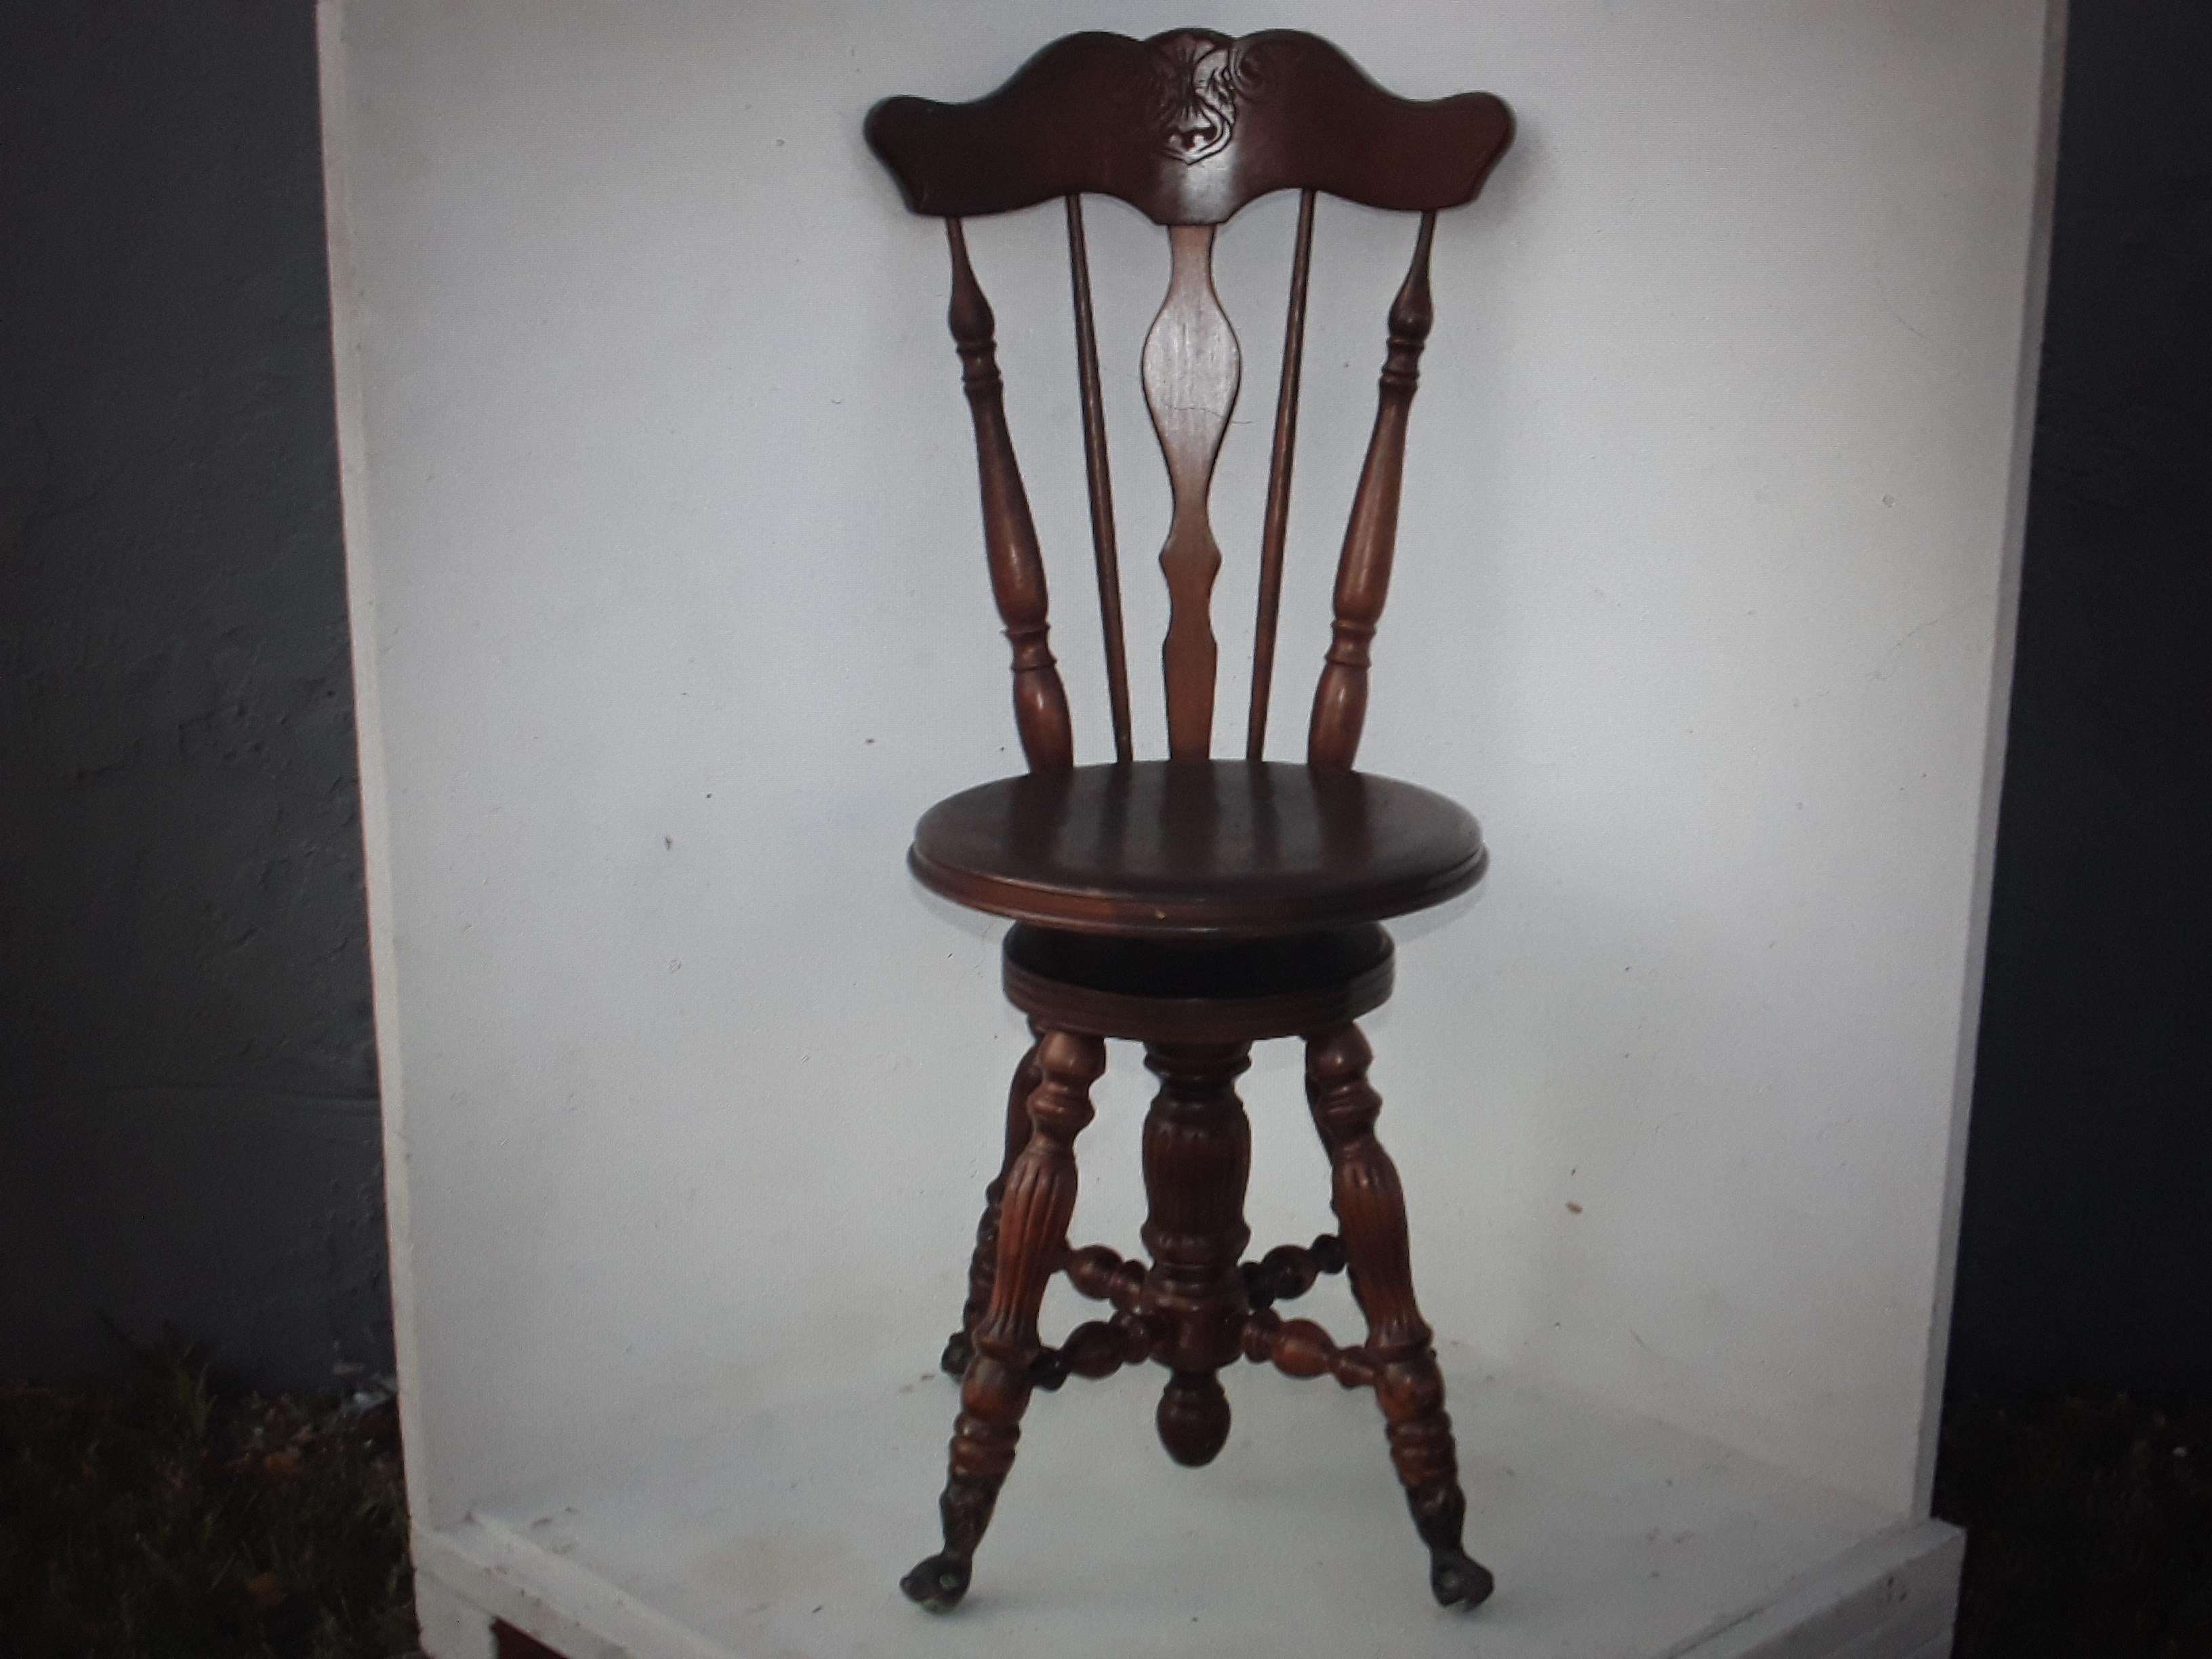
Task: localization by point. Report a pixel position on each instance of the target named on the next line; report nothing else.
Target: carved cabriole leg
(1370, 1210)
(983, 1264)
(1198, 1154)
(1038, 1199)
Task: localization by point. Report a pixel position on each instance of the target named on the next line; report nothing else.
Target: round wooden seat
(1195, 849)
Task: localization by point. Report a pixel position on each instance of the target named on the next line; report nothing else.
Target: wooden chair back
(1188, 127)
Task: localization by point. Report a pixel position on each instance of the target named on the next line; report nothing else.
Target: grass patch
(2088, 1525)
(168, 1518)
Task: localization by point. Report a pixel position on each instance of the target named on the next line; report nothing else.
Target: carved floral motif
(1192, 87)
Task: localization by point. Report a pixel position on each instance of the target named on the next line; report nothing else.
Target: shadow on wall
(188, 1108)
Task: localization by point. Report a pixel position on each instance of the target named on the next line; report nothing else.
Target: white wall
(671, 616)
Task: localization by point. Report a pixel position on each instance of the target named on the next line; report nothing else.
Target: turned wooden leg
(983, 1264)
(1036, 1202)
(1371, 1211)
(1198, 1155)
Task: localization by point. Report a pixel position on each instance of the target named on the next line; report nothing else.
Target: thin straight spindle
(1101, 481)
(1276, 526)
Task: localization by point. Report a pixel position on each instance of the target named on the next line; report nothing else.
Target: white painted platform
(783, 1536)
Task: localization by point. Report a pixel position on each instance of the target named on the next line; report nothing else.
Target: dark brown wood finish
(1198, 1153)
(1276, 528)
(1166, 849)
(1009, 534)
(1362, 572)
(509, 1643)
(1196, 906)
(1098, 479)
(1192, 370)
(1228, 991)
(994, 1390)
(983, 1264)
(1188, 127)
(1370, 1208)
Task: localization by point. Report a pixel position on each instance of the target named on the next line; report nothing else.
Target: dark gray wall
(188, 1115)
(2085, 1252)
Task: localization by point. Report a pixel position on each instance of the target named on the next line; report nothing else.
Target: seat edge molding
(1121, 915)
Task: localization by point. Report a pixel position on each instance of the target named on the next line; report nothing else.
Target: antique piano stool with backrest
(1195, 905)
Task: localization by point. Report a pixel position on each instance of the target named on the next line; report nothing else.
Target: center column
(1198, 1157)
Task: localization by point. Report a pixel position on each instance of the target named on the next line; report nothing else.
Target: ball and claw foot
(958, 1351)
(939, 1583)
(1458, 1579)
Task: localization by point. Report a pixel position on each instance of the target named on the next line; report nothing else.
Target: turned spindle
(1370, 537)
(1010, 539)
(1198, 1156)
